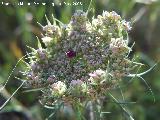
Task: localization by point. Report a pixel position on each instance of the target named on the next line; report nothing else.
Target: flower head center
(70, 53)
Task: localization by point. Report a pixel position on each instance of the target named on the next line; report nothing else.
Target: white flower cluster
(82, 59)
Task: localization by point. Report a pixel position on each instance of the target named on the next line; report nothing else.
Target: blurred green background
(18, 28)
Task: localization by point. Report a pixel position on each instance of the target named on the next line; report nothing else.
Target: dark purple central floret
(71, 53)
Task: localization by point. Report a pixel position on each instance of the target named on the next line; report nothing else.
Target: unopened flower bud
(47, 40)
(58, 88)
(97, 76)
(41, 54)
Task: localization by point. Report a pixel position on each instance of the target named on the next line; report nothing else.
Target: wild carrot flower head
(80, 57)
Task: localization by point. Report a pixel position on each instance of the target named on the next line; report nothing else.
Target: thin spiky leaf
(48, 22)
(46, 106)
(89, 7)
(137, 63)
(30, 57)
(125, 111)
(57, 108)
(20, 79)
(58, 21)
(121, 92)
(12, 72)
(32, 49)
(148, 87)
(28, 65)
(40, 25)
(38, 43)
(130, 47)
(124, 102)
(54, 21)
(11, 96)
(134, 76)
(143, 73)
(105, 112)
(33, 90)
